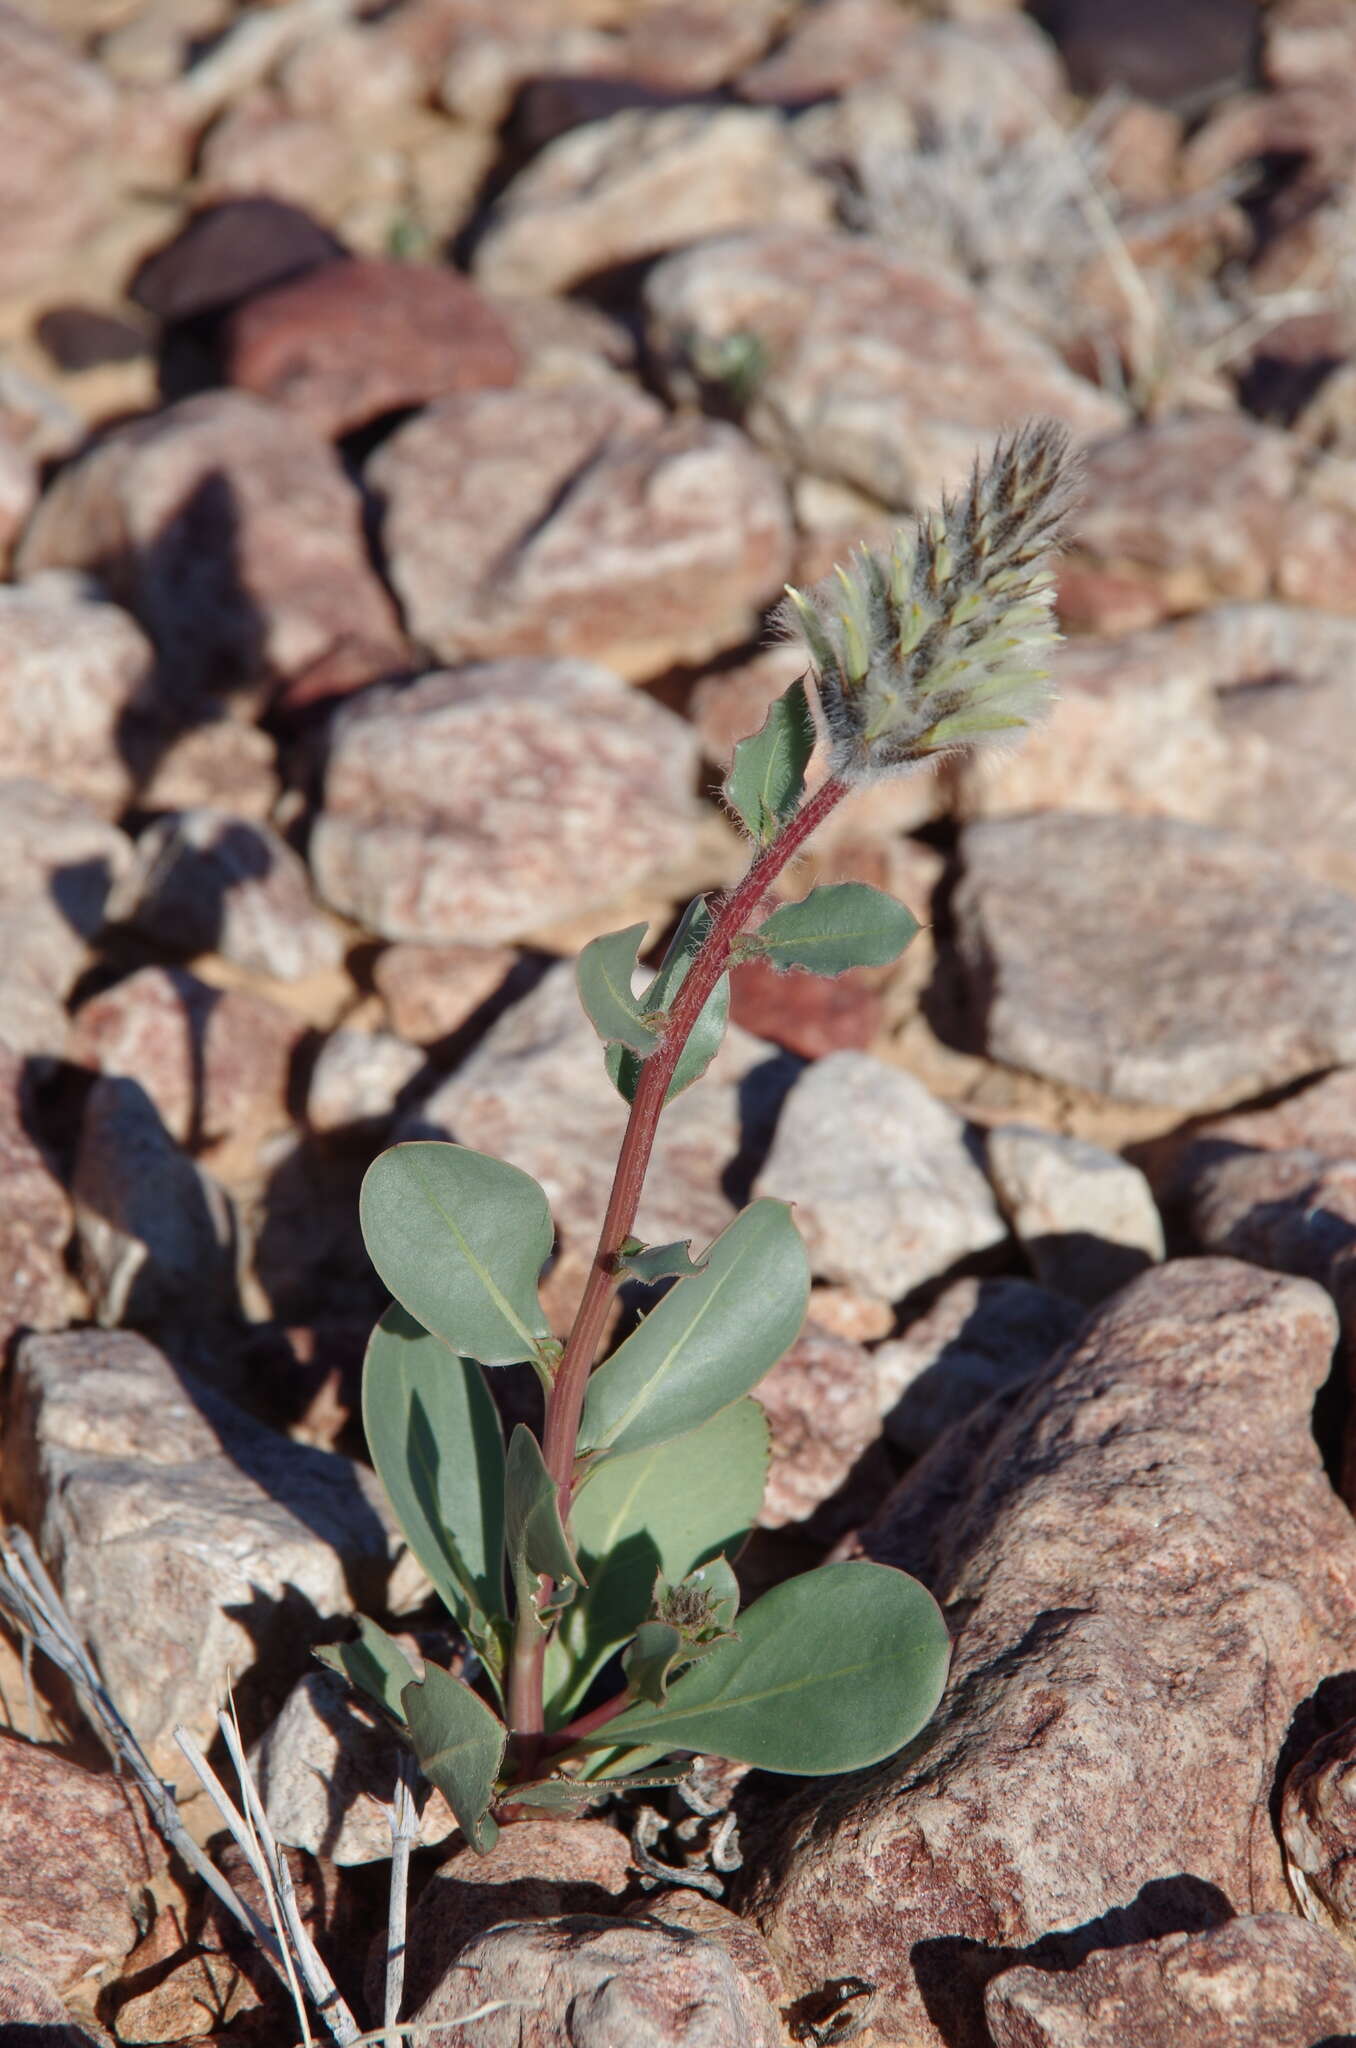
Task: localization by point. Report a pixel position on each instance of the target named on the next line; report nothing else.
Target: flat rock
(1175, 56)
(640, 183)
(189, 1540)
(228, 252)
(353, 340)
(35, 1217)
(29, 2005)
(58, 861)
(1139, 1607)
(887, 1190)
(431, 991)
(63, 1915)
(977, 1339)
(71, 672)
(56, 115)
(576, 520)
(1262, 1977)
(202, 881)
(858, 367)
(231, 531)
(820, 1402)
(357, 1078)
(1085, 1218)
(1152, 960)
(581, 788)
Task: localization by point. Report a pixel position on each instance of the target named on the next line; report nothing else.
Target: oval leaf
(764, 784)
(708, 1341)
(537, 1543)
(460, 1744)
(660, 1512)
(603, 973)
(460, 1238)
(841, 925)
(704, 1039)
(374, 1664)
(433, 1434)
(831, 1671)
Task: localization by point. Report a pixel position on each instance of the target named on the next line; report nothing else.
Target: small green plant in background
(591, 1568)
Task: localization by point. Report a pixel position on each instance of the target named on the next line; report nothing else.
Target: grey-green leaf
(650, 1262)
(832, 1671)
(841, 925)
(603, 972)
(374, 1664)
(703, 1042)
(460, 1238)
(460, 1745)
(536, 1541)
(764, 784)
(655, 1649)
(708, 1341)
(659, 1512)
(434, 1436)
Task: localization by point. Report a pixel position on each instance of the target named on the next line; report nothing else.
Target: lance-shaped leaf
(764, 784)
(704, 1039)
(537, 1544)
(434, 1436)
(659, 1512)
(460, 1238)
(603, 972)
(460, 1745)
(374, 1664)
(832, 1671)
(569, 1795)
(838, 926)
(650, 1262)
(708, 1341)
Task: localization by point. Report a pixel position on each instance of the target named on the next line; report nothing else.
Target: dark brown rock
(229, 251)
(807, 1014)
(353, 340)
(1179, 55)
(1140, 1606)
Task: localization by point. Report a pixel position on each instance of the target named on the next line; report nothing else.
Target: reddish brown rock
(56, 115)
(574, 520)
(35, 1217)
(431, 991)
(1140, 1607)
(1263, 1977)
(808, 1014)
(820, 1402)
(232, 533)
(354, 340)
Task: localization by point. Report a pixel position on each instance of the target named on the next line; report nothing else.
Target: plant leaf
(460, 1744)
(434, 1436)
(374, 1665)
(460, 1239)
(603, 972)
(536, 1541)
(704, 1039)
(832, 1671)
(767, 777)
(660, 1512)
(567, 1795)
(838, 926)
(650, 1262)
(708, 1341)
(656, 1647)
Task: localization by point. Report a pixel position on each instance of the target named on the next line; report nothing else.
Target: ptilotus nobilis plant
(589, 1564)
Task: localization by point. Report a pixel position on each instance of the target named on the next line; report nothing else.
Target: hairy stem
(565, 1404)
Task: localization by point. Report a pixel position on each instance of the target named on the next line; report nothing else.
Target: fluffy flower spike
(944, 643)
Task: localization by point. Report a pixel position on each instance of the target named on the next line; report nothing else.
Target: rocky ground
(408, 416)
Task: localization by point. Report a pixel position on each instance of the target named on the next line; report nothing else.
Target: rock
(977, 1339)
(1317, 1832)
(222, 764)
(821, 1406)
(580, 789)
(1294, 1210)
(320, 167)
(19, 488)
(351, 341)
(326, 1772)
(1316, 541)
(357, 1078)
(1320, 1117)
(1197, 506)
(56, 115)
(574, 520)
(232, 533)
(63, 1916)
(190, 1542)
(216, 1063)
(1263, 1977)
(204, 882)
(650, 1986)
(641, 183)
(807, 1014)
(1084, 1217)
(1140, 1607)
(58, 861)
(71, 672)
(1182, 56)
(845, 1313)
(679, 1906)
(32, 2009)
(886, 1187)
(855, 365)
(35, 1217)
(829, 49)
(535, 1871)
(228, 252)
(1152, 960)
(431, 991)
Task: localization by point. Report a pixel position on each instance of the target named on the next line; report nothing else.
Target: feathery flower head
(945, 642)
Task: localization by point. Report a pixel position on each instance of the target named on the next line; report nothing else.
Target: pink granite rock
(56, 118)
